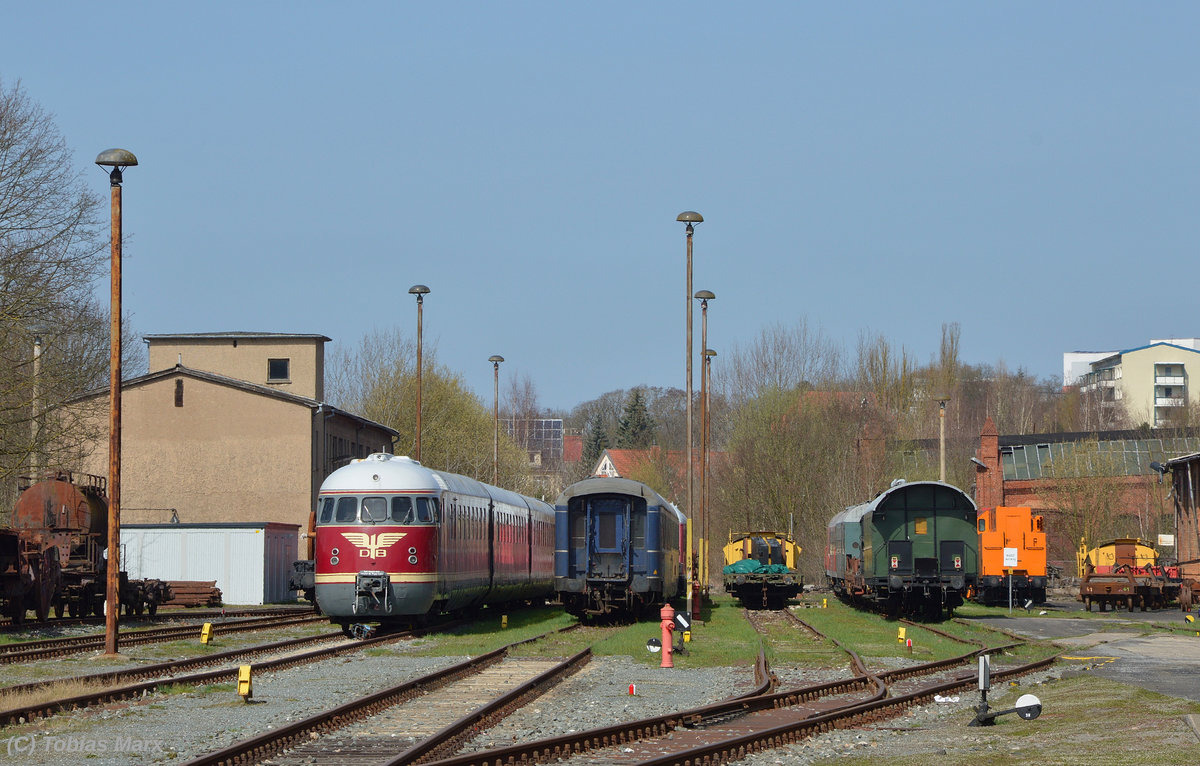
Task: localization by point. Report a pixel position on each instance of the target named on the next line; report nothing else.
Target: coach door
(608, 535)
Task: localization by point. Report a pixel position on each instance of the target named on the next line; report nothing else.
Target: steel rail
(164, 614)
(739, 747)
(174, 666)
(554, 748)
(449, 738)
(28, 651)
(267, 744)
(31, 712)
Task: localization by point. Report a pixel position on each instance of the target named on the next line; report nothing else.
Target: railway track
(373, 728)
(730, 730)
(164, 615)
(46, 648)
(126, 684)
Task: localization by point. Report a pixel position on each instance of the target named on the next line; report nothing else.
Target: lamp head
(418, 290)
(689, 217)
(496, 359)
(704, 296)
(117, 159)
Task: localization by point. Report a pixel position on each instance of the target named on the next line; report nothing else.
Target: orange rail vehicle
(1012, 550)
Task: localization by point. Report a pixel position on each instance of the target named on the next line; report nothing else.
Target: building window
(179, 392)
(277, 370)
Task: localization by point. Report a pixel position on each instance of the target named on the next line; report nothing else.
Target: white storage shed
(250, 562)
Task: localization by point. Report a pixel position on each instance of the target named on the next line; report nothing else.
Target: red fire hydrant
(667, 615)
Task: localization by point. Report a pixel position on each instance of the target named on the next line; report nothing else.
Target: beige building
(229, 427)
(1151, 382)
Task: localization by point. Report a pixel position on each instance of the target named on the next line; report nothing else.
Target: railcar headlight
(412, 552)
(412, 559)
(333, 560)
(334, 552)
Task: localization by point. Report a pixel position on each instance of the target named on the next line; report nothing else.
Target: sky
(1028, 170)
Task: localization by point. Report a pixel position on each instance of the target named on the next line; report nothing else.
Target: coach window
(983, 525)
(347, 510)
(402, 512)
(921, 526)
(326, 510)
(374, 509)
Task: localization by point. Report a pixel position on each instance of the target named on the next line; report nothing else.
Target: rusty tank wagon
(52, 559)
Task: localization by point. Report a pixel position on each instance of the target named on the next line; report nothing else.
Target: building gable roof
(240, 335)
(241, 385)
(1116, 358)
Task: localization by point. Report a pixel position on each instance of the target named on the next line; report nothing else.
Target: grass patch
(485, 633)
(55, 691)
(874, 635)
(1076, 728)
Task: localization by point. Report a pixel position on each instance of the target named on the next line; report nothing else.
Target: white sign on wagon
(1010, 557)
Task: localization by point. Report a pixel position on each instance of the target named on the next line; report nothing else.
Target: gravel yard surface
(184, 723)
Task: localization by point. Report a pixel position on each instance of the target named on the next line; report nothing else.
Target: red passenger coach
(397, 541)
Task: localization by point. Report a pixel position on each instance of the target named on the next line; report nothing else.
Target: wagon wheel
(16, 609)
(49, 573)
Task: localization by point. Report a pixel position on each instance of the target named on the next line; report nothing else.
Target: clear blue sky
(1028, 170)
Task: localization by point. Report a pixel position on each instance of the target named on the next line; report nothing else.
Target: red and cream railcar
(398, 541)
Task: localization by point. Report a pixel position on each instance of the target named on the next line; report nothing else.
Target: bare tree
(781, 358)
(52, 248)
(1085, 487)
(378, 381)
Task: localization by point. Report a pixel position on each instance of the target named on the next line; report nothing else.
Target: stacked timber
(194, 593)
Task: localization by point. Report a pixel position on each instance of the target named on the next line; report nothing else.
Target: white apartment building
(1152, 381)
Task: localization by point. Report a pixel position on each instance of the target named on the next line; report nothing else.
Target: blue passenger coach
(617, 548)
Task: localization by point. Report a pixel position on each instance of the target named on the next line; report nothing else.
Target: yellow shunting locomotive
(760, 569)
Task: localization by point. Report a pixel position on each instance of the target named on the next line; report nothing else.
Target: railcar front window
(426, 509)
(374, 509)
(326, 511)
(347, 510)
(402, 511)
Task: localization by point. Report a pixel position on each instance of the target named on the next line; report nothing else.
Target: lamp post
(690, 218)
(34, 408)
(706, 436)
(704, 296)
(118, 160)
(495, 359)
(420, 291)
(942, 437)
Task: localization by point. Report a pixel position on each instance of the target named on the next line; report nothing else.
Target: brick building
(1015, 471)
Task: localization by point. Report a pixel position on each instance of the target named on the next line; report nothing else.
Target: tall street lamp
(690, 218)
(706, 436)
(34, 409)
(495, 359)
(420, 291)
(704, 296)
(942, 436)
(118, 160)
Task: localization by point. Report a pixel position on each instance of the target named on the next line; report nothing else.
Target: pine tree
(636, 428)
(595, 441)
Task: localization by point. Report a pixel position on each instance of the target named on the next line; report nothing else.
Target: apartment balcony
(1169, 401)
(1169, 380)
